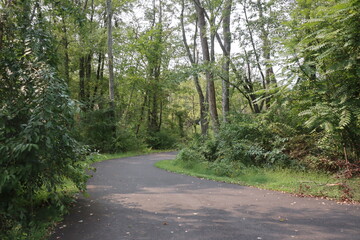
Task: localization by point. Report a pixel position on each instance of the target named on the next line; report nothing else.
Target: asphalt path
(131, 199)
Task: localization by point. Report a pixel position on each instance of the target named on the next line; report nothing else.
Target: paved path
(131, 199)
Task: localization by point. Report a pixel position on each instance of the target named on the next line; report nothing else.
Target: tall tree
(207, 61)
(226, 16)
(110, 55)
(203, 100)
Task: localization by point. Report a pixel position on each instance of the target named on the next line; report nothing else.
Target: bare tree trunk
(88, 76)
(266, 48)
(257, 57)
(204, 124)
(226, 65)
(249, 87)
(110, 56)
(154, 69)
(207, 61)
(82, 79)
(98, 79)
(248, 91)
(111, 69)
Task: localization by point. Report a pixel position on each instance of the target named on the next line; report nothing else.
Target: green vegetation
(99, 157)
(88, 76)
(300, 183)
(45, 214)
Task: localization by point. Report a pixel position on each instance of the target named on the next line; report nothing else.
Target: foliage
(37, 148)
(326, 40)
(300, 183)
(189, 157)
(127, 141)
(164, 139)
(244, 142)
(307, 114)
(96, 130)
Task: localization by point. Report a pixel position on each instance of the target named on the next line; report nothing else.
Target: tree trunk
(66, 48)
(154, 71)
(88, 76)
(207, 61)
(98, 79)
(110, 56)
(204, 124)
(226, 65)
(82, 79)
(266, 48)
(252, 40)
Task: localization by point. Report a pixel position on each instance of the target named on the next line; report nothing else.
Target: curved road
(131, 199)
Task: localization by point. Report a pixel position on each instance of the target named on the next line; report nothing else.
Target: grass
(99, 157)
(285, 180)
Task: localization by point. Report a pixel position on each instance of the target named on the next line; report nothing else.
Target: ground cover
(301, 183)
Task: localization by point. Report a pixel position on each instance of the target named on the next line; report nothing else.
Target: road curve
(131, 199)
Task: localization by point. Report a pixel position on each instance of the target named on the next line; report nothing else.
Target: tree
(325, 39)
(37, 146)
(110, 56)
(226, 66)
(208, 59)
(203, 100)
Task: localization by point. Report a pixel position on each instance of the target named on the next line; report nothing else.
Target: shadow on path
(131, 199)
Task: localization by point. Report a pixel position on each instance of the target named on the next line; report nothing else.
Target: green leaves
(37, 147)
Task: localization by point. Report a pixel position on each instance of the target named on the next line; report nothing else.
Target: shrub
(126, 141)
(96, 129)
(209, 149)
(189, 157)
(224, 168)
(37, 147)
(163, 139)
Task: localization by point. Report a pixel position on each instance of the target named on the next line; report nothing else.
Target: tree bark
(82, 79)
(207, 62)
(204, 124)
(100, 67)
(110, 55)
(226, 54)
(266, 48)
(88, 75)
(154, 72)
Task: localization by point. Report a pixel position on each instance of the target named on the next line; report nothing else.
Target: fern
(345, 119)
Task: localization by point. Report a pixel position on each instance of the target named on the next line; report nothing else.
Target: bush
(189, 157)
(127, 141)
(97, 130)
(37, 148)
(209, 149)
(164, 139)
(246, 141)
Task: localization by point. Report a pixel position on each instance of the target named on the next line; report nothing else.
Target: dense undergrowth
(264, 144)
(104, 135)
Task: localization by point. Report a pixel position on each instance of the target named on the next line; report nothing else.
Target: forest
(233, 83)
